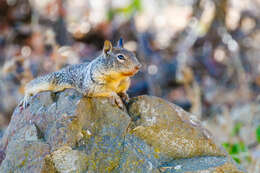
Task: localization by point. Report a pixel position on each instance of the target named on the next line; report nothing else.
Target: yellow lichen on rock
(67, 160)
(165, 128)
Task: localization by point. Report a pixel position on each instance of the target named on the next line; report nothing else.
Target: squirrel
(108, 75)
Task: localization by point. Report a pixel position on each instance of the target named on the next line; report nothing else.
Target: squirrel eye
(121, 57)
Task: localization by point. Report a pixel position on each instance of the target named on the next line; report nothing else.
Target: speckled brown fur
(105, 76)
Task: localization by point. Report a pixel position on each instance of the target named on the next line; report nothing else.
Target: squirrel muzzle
(134, 71)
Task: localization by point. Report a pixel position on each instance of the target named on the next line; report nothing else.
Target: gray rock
(25, 152)
(66, 132)
(67, 160)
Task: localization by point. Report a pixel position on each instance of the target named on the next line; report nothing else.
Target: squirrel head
(120, 59)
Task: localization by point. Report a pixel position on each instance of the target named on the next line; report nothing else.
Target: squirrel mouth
(130, 73)
(133, 72)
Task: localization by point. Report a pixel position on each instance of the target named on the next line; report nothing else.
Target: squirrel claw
(124, 97)
(116, 100)
(24, 103)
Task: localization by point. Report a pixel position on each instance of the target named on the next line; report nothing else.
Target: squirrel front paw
(116, 100)
(124, 96)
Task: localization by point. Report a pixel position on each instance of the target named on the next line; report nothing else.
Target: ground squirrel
(105, 76)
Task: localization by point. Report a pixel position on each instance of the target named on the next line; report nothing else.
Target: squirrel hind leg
(24, 103)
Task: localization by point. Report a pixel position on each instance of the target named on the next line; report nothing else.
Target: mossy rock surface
(66, 132)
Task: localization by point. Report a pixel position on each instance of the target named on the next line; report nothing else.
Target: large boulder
(66, 132)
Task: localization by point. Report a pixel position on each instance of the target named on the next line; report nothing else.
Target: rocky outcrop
(66, 132)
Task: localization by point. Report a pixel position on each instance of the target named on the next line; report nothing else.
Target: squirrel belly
(106, 76)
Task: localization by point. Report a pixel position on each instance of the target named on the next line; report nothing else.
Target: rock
(66, 132)
(67, 160)
(25, 153)
(160, 123)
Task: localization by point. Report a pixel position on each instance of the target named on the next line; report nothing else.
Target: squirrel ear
(107, 46)
(120, 43)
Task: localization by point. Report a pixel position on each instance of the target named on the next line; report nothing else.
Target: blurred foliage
(129, 10)
(238, 151)
(237, 128)
(258, 134)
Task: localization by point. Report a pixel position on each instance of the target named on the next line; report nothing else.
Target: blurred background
(202, 55)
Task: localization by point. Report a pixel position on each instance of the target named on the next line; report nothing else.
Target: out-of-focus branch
(198, 28)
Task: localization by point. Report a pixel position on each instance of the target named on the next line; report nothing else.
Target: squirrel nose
(138, 66)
